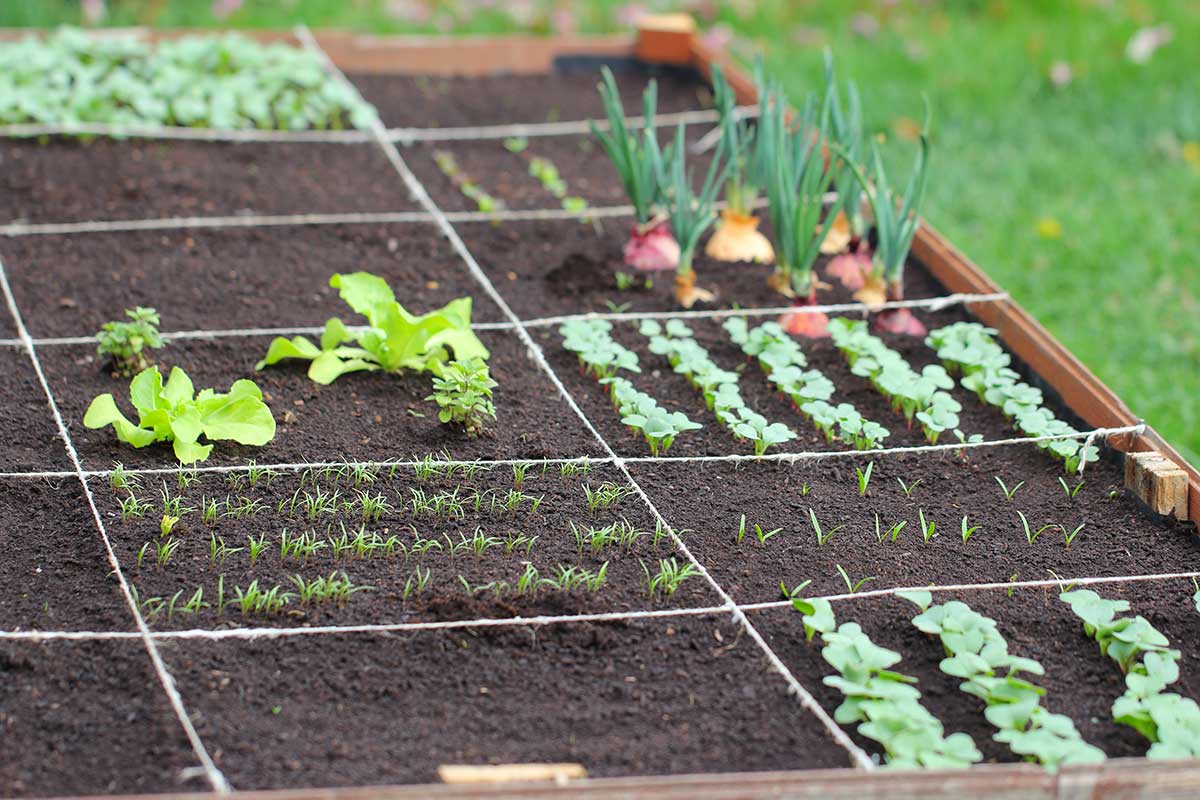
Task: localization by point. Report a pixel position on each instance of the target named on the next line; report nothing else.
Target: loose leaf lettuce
(393, 341)
(173, 412)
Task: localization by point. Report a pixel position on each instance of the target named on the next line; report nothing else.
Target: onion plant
(638, 161)
(896, 223)
(737, 237)
(690, 214)
(847, 239)
(796, 176)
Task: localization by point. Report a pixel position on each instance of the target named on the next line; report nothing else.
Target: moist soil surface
(229, 279)
(68, 181)
(425, 101)
(635, 698)
(678, 695)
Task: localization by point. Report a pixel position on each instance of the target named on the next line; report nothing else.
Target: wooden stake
(1159, 482)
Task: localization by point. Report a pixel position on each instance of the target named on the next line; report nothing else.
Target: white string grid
(215, 777)
(418, 191)
(932, 304)
(403, 135)
(14, 229)
(220, 634)
(785, 457)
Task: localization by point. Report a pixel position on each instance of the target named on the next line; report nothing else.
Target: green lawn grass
(1078, 199)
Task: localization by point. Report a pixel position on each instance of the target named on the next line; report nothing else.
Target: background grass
(1081, 199)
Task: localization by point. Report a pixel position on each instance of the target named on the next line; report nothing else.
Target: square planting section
(674, 392)
(709, 500)
(1080, 682)
(439, 101)
(229, 279)
(28, 427)
(431, 542)
(88, 718)
(552, 268)
(509, 176)
(361, 416)
(69, 181)
(55, 574)
(647, 698)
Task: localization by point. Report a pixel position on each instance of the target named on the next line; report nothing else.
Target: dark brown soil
(562, 504)
(625, 699)
(554, 268)
(31, 438)
(67, 180)
(55, 572)
(229, 279)
(709, 499)
(422, 101)
(1080, 682)
(580, 160)
(361, 416)
(86, 718)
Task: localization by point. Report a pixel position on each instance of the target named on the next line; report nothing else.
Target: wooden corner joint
(1159, 482)
(665, 38)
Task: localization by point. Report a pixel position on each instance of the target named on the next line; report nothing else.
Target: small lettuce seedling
(395, 339)
(463, 394)
(126, 342)
(173, 412)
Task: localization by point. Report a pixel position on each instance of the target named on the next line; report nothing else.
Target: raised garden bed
(548, 591)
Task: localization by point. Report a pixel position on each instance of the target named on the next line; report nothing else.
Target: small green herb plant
(174, 412)
(126, 342)
(394, 340)
(463, 393)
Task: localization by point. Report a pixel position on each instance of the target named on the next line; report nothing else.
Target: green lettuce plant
(174, 412)
(394, 339)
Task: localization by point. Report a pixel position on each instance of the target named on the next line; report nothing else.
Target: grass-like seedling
(301, 546)
(669, 578)
(909, 488)
(1069, 537)
(853, 586)
(463, 393)
(210, 509)
(605, 496)
(822, 536)
(568, 578)
(864, 478)
(167, 524)
(218, 551)
(334, 588)
(119, 479)
(416, 583)
(373, 507)
(1009, 494)
(256, 547)
(1070, 491)
(257, 600)
(126, 342)
(519, 471)
(890, 533)
(186, 478)
(967, 530)
(132, 507)
(928, 527)
(1031, 535)
(448, 164)
(515, 541)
